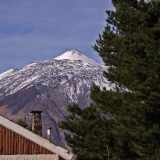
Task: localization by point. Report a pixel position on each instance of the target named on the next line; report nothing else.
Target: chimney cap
(36, 111)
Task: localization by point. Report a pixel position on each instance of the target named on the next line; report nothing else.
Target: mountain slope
(50, 86)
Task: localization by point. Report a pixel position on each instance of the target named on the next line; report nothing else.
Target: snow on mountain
(76, 55)
(69, 64)
(5, 73)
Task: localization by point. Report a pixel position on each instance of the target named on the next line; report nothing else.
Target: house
(18, 143)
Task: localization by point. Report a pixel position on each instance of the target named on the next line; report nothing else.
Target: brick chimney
(36, 122)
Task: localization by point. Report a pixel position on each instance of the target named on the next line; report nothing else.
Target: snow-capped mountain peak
(76, 55)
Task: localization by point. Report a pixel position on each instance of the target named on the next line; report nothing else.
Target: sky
(38, 30)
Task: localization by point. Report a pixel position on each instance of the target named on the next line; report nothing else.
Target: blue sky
(38, 30)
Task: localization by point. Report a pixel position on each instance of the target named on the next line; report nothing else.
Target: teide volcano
(50, 87)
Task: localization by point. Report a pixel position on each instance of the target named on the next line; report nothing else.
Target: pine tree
(130, 46)
(89, 130)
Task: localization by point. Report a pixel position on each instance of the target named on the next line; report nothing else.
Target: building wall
(12, 143)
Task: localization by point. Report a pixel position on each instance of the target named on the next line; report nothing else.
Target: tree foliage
(130, 46)
(22, 123)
